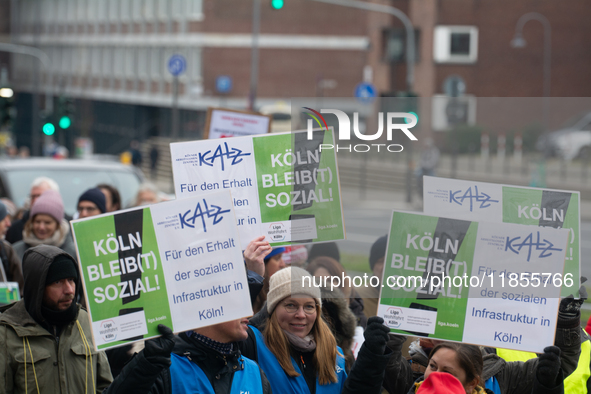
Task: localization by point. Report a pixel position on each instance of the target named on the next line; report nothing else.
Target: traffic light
(65, 112)
(7, 109)
(411, 104)
(65, 122)
(48, 128)
(277, 4)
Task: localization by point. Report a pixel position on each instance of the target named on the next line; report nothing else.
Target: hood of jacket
(338, 316)
(36, 263)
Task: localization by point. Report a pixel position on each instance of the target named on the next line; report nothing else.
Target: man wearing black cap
(91, 203)
(45, 339)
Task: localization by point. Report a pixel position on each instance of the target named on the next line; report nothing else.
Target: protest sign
(480, 201)
(283, 185)
(9, 292)
(491, 284)
(223, 123)
(176, 263)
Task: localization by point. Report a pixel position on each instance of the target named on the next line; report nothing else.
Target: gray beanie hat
(291, 281)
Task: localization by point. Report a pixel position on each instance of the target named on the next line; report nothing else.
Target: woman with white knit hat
(46, 226)
(290, 341)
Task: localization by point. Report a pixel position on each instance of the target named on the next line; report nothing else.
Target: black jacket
(142, 376)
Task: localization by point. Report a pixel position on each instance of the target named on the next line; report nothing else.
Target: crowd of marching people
(301, 339)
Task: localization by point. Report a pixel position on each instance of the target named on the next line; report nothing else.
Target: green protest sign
(176, 263)
(492, 284)
(9, 292)
(491, 202)
(284, 186)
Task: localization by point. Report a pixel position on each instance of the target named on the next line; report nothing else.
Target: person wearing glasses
(91, 203)
(290, 340)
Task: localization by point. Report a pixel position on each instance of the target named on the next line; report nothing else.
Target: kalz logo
(344, 132)
(472, 196)
(530, 244)
(202, 212)
(224, 153)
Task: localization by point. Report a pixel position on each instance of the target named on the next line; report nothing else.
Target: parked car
(72, 175)
(570, 142)
(280, 116)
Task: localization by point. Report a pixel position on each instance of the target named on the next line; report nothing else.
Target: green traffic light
(65, 122)
(277, 4)
(48, 129)
(407, 120)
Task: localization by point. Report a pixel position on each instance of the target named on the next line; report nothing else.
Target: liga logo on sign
(108, 330)
(344, 132)
(393, 317)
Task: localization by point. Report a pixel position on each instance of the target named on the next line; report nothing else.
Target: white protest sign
(283, 185)
(224, 123)
(491, 284)
(178, 263)
(480, 201)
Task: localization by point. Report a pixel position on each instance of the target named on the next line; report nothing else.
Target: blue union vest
(186, 377)
(281, 383)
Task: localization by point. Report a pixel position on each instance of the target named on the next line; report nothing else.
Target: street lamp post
(519, 42)
(254, 54)
(386, 9)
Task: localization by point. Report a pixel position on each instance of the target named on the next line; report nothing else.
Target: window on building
(177, 8)
(148, 9)
(75, 60)
(130, 54)
(194, 9)
(194, 65)
(455, 44)
(107, 62)
(118, 62)
(91, 10)
(27, 13)
(47, 17)
(71, 6)
(113, 10)
(102, 6)
(82, 6)
(95, 61)
(66, 61)
(142, 62)
(125, 14)
(136, 10)
(156, 63)
(163, 6)
(84, 53)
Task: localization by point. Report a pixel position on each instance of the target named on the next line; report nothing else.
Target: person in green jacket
(46, 344)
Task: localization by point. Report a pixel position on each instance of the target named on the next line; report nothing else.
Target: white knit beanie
(289, 282)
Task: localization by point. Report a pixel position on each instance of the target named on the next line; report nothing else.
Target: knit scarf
(57, 238)
(305, 344)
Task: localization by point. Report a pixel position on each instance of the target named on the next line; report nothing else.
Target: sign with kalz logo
(177, 263)
(498, 203)
(283, 185)
(395, 122)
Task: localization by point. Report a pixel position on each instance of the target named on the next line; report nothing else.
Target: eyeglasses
(290, 307)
